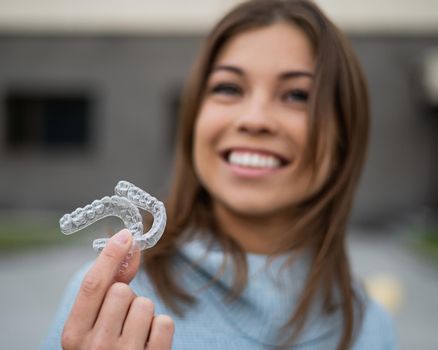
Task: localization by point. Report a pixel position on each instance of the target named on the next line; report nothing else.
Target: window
(47, 121)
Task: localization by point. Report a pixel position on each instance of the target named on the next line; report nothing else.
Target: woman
(272, 142)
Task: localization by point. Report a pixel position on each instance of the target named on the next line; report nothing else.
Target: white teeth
(253, 160)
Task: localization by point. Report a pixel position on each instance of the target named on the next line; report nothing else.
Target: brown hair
(339, 86)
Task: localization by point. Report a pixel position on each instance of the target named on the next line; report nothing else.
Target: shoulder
(377, 329)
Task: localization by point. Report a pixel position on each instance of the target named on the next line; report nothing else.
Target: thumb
(129, 266)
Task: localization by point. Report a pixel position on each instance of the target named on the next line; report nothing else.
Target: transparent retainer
(124, 205)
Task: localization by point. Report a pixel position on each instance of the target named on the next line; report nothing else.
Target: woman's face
(251, 131)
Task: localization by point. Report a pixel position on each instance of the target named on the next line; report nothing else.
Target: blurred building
(89, 93)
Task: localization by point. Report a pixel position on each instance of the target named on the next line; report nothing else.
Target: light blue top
(252, 321)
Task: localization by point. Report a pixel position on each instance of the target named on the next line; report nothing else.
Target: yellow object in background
(386, 290)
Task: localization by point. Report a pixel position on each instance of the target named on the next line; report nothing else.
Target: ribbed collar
(269, 298)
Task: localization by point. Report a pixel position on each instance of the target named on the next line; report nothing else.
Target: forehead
(280, 46)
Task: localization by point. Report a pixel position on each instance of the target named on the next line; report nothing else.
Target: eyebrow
(282, 76)
(231, 69)
(296, 74)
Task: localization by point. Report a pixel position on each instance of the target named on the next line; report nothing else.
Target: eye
(296, 95)
(226, 89)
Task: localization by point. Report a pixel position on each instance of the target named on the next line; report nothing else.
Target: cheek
(209, 126)
(197, 145)
(317, 178)
(205, 136)
(295, 128)
(201, 125)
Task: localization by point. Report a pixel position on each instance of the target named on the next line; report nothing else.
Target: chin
(248, 208)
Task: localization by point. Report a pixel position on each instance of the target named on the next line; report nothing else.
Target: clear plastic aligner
(124, 205)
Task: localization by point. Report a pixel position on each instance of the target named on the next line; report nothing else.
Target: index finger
(97, 281)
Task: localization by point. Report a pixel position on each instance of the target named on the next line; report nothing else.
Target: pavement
(32, 283)
(403, 281)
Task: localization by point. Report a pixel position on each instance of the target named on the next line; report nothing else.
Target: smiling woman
(251, 133)
(272, 140)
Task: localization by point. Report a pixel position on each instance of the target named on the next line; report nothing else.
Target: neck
(260, 234)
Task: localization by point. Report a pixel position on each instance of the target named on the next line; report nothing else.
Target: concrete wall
(194, 16)
(400, 173)
(134, 80)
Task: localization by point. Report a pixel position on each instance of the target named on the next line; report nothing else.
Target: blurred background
(89, 92)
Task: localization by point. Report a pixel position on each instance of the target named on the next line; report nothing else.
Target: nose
(257, 118)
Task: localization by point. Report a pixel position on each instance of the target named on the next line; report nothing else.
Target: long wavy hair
(338, 86)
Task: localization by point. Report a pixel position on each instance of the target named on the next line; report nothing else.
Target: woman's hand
(107, 314)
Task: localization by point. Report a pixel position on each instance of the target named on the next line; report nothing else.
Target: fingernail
(122, 237)
(123, 268)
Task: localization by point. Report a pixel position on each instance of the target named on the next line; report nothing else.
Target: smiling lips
(254, 160)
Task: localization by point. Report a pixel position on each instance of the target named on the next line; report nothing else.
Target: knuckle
(69, 338)
(145, 304)
(124, 343)
(99, 344)
(165, 323)
(120, 290)
(90, 285)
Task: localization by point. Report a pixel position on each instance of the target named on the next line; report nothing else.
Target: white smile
(253, 160)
